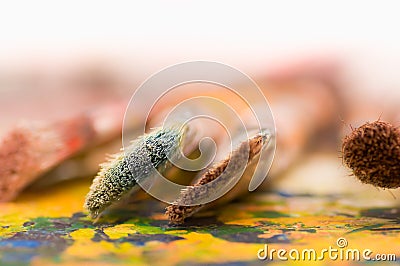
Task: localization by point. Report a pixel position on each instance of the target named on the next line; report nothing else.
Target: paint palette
(50, 228)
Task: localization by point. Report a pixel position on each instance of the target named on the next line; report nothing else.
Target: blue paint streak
(20, 243)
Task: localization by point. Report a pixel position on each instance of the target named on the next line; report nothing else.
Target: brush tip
(372, 151)
(137, 162)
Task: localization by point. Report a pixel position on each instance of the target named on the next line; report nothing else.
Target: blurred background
(53, 42)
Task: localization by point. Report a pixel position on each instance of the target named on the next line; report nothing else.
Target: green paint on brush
(137, 162)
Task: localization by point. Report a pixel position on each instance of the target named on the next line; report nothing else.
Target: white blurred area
(250, 35)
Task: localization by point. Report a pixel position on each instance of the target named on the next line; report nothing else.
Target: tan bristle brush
(372, 152)
(247, 154)
(33, 148)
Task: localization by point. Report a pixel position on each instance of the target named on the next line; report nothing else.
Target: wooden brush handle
(32, 149)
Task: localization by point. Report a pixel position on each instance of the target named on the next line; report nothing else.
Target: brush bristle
(177, 213)
(121, 173)
(372, 151)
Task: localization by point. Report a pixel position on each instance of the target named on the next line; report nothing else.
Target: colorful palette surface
(49, 227)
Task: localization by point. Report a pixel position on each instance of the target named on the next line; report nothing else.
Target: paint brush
(220, 176)
(32, 149)
(372, 152)
(137, 162)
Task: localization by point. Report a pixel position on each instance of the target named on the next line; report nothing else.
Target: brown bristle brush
(372, 152)
(221, 177)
